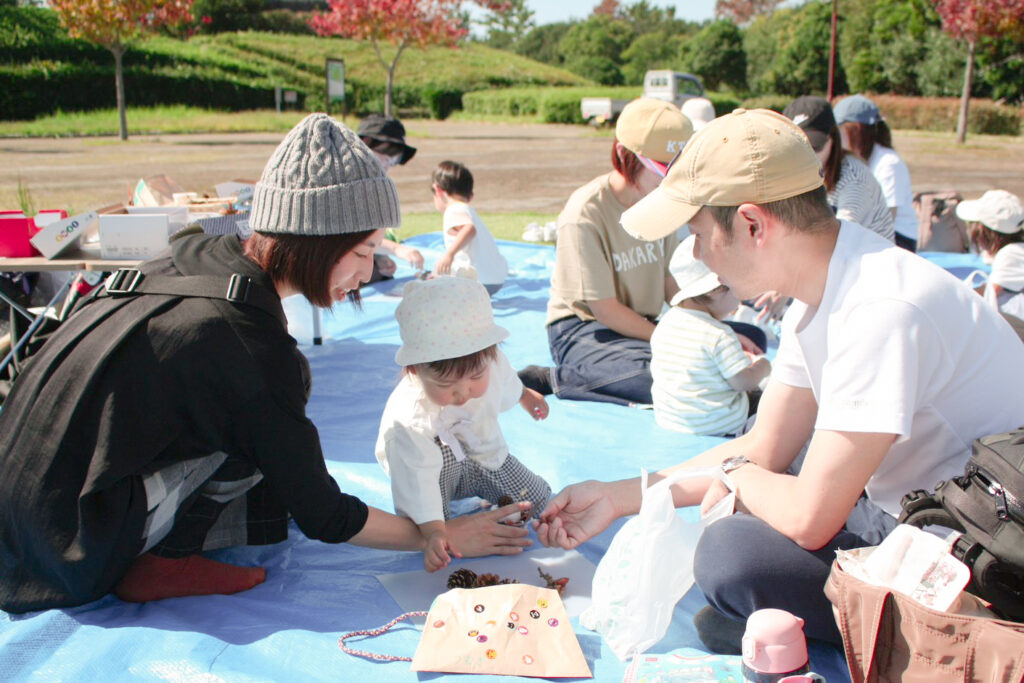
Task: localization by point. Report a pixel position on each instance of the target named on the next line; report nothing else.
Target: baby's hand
(534, 404)
(435, 552)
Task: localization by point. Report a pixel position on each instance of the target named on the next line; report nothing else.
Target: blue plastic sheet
(287, 629)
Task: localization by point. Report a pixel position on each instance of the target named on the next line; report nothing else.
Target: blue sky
(550, 11)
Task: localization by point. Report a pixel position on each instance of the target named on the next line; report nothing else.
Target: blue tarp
(287, 629)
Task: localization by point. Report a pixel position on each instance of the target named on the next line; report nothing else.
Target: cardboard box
(136, 237)
(61, 234)
(177, 216)
(17, 229)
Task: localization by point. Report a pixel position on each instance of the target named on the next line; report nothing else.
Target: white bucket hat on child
(445, 317)
(691, 275)
(996, 209)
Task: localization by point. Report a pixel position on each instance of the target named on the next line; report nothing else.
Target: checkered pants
(468, 478)
(215, 501)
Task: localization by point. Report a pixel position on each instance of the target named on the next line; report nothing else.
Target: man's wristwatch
(734, 463)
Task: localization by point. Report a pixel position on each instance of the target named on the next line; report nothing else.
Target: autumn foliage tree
(400, 23)
(114, 24)
(742, 11)
(970, 21)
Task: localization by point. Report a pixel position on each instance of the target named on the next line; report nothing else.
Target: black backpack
(987, 505)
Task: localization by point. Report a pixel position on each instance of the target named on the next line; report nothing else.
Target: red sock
(154, 578)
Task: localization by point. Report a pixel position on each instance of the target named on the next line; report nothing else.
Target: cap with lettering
(755, 156)
(653, 128)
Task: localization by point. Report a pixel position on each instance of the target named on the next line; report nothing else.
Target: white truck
(672, 86)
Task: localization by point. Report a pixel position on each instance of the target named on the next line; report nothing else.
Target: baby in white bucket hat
(439, 436)
(701, 373)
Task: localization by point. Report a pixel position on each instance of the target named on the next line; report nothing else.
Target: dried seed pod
(462, 578)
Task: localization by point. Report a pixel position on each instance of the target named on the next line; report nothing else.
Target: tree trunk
(391, 81)
(391, 74)
(118, 51)
(965, 97)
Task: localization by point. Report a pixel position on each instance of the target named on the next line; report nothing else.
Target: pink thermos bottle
(774, 648)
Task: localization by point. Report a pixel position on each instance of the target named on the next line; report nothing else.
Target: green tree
(217, 16)
(650, 51)
(801, 63)
(716, 55)
(1001, 67)
(542, 43)
(593, 48)
(507, 27)
(761, 44)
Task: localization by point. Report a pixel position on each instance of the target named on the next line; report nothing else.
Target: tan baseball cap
(755, 156)
(653, 128)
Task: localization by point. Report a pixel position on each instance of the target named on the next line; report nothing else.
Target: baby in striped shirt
(701, 373)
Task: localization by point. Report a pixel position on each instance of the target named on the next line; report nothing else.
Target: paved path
(518, 167)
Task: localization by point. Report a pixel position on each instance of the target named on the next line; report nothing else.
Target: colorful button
(474, 633)
(481, 639)
(438, 624)
(552, 622)
(523, 630)
(492, 654)
(513, 616)
(527, 659)
(542, 603)
(478, 608)
(511, 625)
(535, 614)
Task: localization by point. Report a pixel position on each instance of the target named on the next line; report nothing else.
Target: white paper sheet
(414, 591)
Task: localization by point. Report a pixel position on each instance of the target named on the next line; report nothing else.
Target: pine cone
(486, 580)
(505, 500)
(506, 581)
(462, 578)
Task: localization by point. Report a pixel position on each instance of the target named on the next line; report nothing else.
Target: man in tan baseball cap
(887, 369)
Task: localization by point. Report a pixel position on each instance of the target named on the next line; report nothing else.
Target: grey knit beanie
(322, 180)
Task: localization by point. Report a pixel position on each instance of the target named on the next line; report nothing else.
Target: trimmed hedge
(940, 114)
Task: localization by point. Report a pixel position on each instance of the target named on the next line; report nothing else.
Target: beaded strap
(377, 632)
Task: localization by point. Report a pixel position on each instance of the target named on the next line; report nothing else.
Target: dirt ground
(518, 167)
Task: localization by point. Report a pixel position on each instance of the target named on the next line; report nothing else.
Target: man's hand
(483, 533)
(534, 404)
(578, 513)
(443, 265)
(413, 256)
(716, 492)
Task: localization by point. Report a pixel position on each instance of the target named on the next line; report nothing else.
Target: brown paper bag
(512, 629)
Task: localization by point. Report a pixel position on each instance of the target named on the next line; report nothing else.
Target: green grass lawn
(504, 226)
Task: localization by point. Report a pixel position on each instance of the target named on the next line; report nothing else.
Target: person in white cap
(699, 110)
(608, 287)
(995, 226)
(888, 365)
(701, 373)
(439, 437)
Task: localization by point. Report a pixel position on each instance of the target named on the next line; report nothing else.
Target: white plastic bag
(648, 567)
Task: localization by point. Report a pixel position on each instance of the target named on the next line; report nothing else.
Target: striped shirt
(693, 355)
(857, 197)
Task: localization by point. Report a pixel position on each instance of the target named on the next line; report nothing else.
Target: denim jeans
(742, 565)
(595, 363)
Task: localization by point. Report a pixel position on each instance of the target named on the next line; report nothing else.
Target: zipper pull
(1002, 510)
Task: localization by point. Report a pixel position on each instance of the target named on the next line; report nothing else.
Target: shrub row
(561, 105)
(26, 91)
(940, 114)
